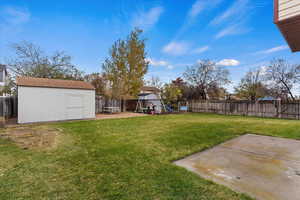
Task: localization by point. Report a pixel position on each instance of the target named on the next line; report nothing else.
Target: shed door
(74, 106)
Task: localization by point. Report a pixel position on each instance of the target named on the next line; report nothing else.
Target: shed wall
(38, 104)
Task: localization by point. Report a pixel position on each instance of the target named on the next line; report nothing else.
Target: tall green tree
(171, 93)
(126, 66)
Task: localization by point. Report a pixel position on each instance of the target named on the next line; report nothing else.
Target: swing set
(150, 103)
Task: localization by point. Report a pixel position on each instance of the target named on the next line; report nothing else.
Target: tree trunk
(206, 94)
(123, 105)
(289, 91)
(292, 96)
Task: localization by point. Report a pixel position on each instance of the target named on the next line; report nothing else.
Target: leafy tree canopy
(98, 81)
(126, 66)
(206, 75)
(251, 86)
(30, 60)
(283, 77)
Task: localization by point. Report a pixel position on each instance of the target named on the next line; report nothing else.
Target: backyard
(123, 158)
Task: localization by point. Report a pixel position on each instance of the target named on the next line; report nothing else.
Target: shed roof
(144, 94)
(53, 83)
(148, 96)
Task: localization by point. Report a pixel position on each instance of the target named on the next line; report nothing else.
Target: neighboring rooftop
(267, 98)
(150, 89)
(145, 94)
(53, 83)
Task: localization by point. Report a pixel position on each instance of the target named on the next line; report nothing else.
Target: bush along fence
(274, 109)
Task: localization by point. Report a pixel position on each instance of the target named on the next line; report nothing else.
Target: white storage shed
(43, 100)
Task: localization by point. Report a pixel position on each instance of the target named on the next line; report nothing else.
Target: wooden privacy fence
(103, 104)
(130, 105)
(9, 107)
(275, 109)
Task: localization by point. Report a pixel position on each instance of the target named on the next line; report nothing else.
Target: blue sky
(237, 34)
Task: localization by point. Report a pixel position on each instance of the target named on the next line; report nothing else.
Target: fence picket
(9, 107)
(102, 102)
(275, 109)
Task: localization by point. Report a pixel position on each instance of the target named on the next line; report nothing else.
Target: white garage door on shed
(41, 100)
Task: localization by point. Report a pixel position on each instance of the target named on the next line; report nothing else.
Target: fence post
(2, 118)
(123, 105)
(298, 110)
(187, 106)
(279, 108)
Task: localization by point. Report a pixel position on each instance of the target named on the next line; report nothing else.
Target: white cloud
(183, 48)
(238, 9)
(176, 48)
(226, 31)
(159, 63)
(12, 20)
(237, 15)
(273, 50)
(234, 29)
(15, 16)
(146, 20)
(197, 7)
(263, 70)
(201, 5)
(228, 62)
(201, 50)
(170, 66)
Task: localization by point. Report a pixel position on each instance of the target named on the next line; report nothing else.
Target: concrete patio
(265, 168)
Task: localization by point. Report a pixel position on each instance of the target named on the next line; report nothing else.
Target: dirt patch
(119, 115)
(32, 137)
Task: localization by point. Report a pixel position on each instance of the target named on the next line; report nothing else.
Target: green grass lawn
(127, 158)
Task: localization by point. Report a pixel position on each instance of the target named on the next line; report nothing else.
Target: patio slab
(265, 168)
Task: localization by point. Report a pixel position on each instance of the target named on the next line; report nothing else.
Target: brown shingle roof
(53, 83)
(150, 89)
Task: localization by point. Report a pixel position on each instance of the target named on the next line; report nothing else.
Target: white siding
(288, 9)
(4, 80)
(149, 96)
(38, 104)
(153, 99)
